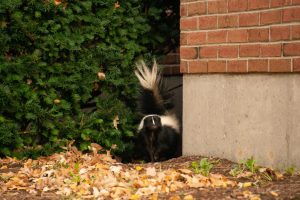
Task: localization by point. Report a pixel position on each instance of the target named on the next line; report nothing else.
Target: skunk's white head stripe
(153, 122)
(166, 120)
(142, 121)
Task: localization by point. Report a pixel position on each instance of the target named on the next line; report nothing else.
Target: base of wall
(240, 116)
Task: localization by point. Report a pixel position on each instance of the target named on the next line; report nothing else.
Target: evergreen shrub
(66, 72)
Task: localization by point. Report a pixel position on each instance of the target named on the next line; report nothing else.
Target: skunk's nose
(153, 127)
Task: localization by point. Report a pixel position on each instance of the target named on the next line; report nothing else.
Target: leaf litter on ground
(75, 175)
(100, 176)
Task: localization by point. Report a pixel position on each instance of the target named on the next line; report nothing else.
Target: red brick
(196, 38)
(291, 14)
(258, 65)
(183, 10)
(237, 5)
(239, 66)
(291, 49)
(183, 66)
(197, 66)
(216, 66)
(207, 22)
(280, 33)
(270, 17)
(226, 21)
(279, 3)
(188, 52)
(188, 23)
(216, 36)
(208, 52)
(217, 6)
(183, 38)
(296, 2)
(197, 8)
(258, 35)
(250, 50)
(249, 19)
(280, 65)
(258, 4)
(270, 50)
(228, 51)
(295, 32)
(237, 35)
(296, 65)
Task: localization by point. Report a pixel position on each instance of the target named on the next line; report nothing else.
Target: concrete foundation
(240, 116)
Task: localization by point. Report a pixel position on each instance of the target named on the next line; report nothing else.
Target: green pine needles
(66, 73)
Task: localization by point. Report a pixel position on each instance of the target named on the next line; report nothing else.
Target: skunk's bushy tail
(154, 98)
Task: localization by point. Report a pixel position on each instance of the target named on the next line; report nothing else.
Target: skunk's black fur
(158, 134)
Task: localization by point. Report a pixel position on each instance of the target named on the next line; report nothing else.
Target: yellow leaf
(135, 197)
(244, 185)
(175, 198)
(56, 101)
(138, 168)
(188, 197)
(255, 198)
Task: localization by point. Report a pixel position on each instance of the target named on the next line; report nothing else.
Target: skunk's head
(155, 122)
(152, 123)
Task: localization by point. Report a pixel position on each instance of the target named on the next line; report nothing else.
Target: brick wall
(239, 36)
(170, 63)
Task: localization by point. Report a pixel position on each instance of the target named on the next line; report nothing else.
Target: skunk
(158, 136)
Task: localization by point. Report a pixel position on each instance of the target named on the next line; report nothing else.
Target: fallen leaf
(116, 169)
(188, 197)
(4, 167)
(101, 76)
(117, 5)
(176, 197)
(151, 171)
(185, 171)
(244, 185)
(135, 197)
(275, 194)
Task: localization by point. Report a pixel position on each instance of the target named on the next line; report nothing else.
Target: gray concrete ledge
(240, 116)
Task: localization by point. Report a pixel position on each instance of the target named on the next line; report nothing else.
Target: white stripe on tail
(148, 79)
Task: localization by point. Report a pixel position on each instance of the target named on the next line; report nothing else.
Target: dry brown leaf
(4, 167)
(176, 197)
(116, 121)
(185, 171)
(151, 171)
(273, 193)
(188, 197)
(99, 175)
